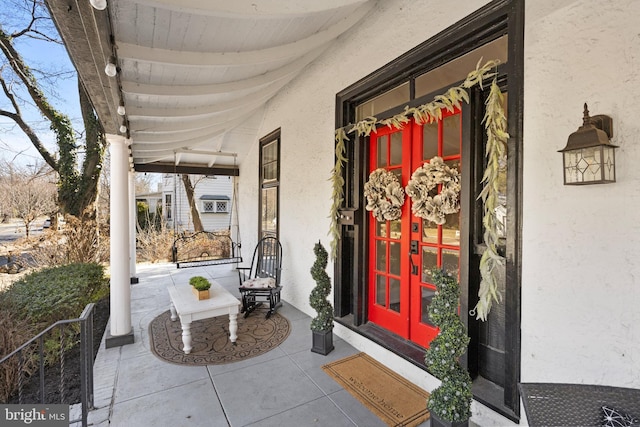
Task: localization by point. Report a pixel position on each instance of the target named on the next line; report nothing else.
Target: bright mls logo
(34, 415)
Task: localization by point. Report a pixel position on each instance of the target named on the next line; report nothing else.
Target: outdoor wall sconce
(98, 4)
(589, 157)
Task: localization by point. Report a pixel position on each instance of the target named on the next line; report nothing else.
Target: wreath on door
(385, 195)
(422, 188)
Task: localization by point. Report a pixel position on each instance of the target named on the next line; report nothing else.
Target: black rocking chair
(261, 282)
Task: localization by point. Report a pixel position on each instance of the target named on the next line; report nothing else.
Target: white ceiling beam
(288, 71)
(139, 107)
(207, 153)
(154, 125)
(244, 103)
(177, 144)
(234, 59)
(262, 9)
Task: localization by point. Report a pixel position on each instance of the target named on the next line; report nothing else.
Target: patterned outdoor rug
(392, 398)
(210, 338)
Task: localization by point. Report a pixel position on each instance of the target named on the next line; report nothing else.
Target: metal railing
(26, 357)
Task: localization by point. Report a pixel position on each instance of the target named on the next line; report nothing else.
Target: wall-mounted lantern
(589, 157)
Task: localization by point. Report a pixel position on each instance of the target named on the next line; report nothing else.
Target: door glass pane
(394, 262)
(429, 141)
(396, 148)
(269, 209)
(451, 135)
(398, 173)
(451, 261)
(429, 261)
(396, 229)
(426, 298)
(453, 164)
(381, 228)
(451, 230)
(381, 290)
(381, 255)
(394, 294)
(382, 151)
(429, 232)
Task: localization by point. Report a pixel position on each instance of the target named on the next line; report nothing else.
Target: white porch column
(133, 213)
(121, 332)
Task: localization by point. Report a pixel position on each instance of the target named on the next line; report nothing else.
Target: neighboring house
(153, 200)
(569, 285)
(213, 196)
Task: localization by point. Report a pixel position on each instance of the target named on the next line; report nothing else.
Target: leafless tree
(30, 91)
(28, 192)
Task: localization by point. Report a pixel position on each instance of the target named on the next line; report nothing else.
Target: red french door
(402, 252)
(389, 240)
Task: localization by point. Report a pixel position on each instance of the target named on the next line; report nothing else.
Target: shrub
(56, 293)
(153, 245)
(81, 240)
(36, 301)
(200, 283)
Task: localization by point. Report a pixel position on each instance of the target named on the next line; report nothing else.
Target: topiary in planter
(318, 298)
(452, 400)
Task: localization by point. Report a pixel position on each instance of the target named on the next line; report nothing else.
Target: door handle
(414, 250)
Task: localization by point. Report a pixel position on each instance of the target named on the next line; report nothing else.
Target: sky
(62, 93)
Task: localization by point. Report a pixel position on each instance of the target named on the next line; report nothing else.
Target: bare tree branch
(33, 137)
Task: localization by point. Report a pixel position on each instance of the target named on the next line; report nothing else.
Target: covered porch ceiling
(194, 76)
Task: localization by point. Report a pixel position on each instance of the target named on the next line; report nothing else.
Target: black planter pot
(322, 342)
(437, 422)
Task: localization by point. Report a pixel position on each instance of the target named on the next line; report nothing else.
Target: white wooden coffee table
(185, 305)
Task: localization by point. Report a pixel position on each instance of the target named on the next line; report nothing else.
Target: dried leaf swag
(495, 124)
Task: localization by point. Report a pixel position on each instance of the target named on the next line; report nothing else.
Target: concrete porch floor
(284, 387)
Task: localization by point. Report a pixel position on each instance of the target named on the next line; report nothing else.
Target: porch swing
(209, 247)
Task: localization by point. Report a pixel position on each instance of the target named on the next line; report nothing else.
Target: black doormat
(210, 338)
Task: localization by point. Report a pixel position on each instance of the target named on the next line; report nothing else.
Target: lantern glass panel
(608, 164)
(571, 173)
(581, 165)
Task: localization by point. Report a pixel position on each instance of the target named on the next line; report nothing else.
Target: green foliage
(318, 297)
(200, 283)
(46, 296)
(452, 400)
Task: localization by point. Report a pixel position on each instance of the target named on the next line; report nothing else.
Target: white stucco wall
(579, 265)
(580, 289)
